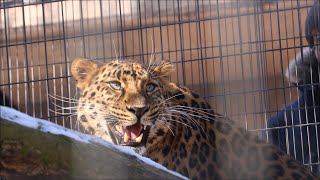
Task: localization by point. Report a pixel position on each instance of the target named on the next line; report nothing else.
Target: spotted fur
(186, 135)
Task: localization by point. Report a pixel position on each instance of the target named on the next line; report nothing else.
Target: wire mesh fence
(235, 54)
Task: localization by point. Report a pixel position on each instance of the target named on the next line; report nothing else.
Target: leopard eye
(115, 85)
(150, 88)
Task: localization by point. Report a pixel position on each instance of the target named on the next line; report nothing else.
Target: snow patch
(46, 126)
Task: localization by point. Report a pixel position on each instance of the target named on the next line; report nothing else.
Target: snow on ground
(46, 126)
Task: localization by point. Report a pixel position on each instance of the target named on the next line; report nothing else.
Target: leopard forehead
(124, 71)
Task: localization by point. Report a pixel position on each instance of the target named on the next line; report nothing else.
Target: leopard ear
(164, 69)
(83, 70)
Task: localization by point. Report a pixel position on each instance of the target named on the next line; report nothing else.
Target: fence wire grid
(235, 54)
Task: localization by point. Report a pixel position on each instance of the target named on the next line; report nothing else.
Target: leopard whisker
(205, 109)
(192, 113)
(205, 117)
(64, 108)
(200, 109)
(60, 113)
(158, 76)
(179, 117)
(195, 123)
(181, 122)
(71, 115)
(77, 123)
(164, 122)
(63, 99)
(111, 118)
(164, 101)
(190, 118)
(115, 49)
(115, 124)
(169, 129)
(151, 58)
(158, 58)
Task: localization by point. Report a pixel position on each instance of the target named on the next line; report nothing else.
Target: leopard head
(123, 100)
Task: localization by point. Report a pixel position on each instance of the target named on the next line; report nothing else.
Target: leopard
(131, 104)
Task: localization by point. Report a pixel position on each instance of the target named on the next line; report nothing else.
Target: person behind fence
(300, 133)
(300, 120)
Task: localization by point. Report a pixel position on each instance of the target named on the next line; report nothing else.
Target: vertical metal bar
(242, 66)
(82, 29)
(46, 57)
(175, 42)
(146, 29)
(199, 37)
(221, 59)
(39, 69)
(227, 59)
(17, 66)
(71, 114)
(181, 43)
(251, 78)
(205, 54)
(274, 72)
(7, 51)
(121, 29)
(236, 67)
(111, 39)
(190, 51)
(258, 9)
(96, 47)
(168, 30)
(160, 23)
(32, 69)
(27, 92)
(283, 82)
(27, 86)
(102, 31)
(213, 55)
(290, 97)
(53, 49)
(133, 31)
(65, 58)
(153, 39)
(140, 29)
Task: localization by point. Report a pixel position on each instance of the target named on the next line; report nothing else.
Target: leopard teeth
(144, 127)
(138, 139)
(125, 138)
(117, 128)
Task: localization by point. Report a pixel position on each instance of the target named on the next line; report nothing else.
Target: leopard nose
(138, 111)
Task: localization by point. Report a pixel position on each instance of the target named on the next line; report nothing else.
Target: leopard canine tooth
(138, 139)
(118, 128)
(125, 137)
(144, 127)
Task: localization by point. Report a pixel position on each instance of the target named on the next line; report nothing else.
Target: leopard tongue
(133, 131)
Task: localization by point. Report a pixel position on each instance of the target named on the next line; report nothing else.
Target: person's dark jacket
(300, 121)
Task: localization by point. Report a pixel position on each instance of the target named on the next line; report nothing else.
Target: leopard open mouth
(134, 135)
